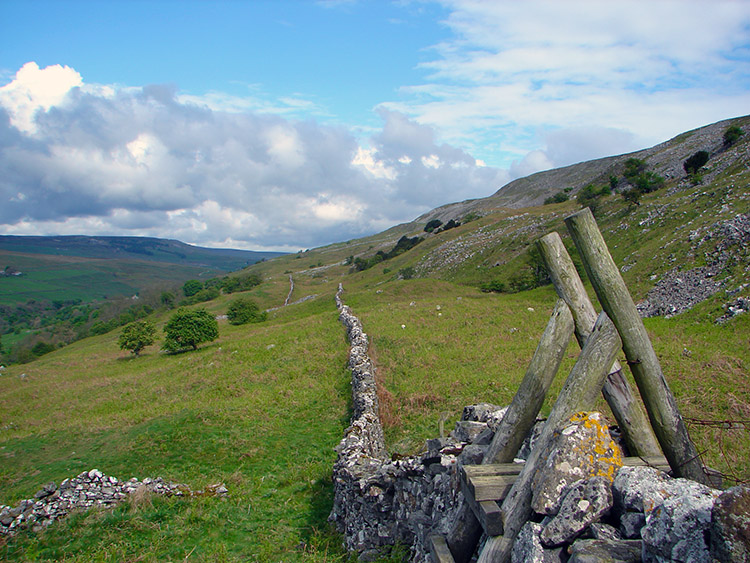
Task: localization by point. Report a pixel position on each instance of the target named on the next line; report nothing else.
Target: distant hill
(63, 268)
(138, 248)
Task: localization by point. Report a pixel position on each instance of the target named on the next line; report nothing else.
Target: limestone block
(598, 551)
(528, 548)
(677, 529)
(730, 526)
(467, 430)
(631, 524)
(584, 503)
(581, 450)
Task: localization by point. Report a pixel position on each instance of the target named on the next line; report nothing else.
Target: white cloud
(118, 160)
(377, 168)
(35, 89)
(514, 71)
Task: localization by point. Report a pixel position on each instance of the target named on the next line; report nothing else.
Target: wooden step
(486, 486)
(439, 550)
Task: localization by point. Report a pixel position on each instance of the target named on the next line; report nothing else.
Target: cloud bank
(96, 159)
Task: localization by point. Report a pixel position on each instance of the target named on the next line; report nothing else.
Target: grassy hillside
(261, 408)
(94, 268)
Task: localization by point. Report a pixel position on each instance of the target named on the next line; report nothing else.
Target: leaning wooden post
(518, 420)
(636, 430)
(581, 389)
(527, 402)
(616, 300)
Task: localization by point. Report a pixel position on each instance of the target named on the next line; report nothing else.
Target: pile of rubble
(89, 489)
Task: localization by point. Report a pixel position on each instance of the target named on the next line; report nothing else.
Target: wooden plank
(613, 294)
(628, 411)
(439, 550)
(491, 517)
(495, 487)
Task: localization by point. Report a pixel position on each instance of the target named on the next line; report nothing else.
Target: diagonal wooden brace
(628, 411)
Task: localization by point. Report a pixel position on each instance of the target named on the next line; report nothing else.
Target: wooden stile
(515, 426)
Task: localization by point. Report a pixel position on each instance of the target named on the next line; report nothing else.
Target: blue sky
(292, 124)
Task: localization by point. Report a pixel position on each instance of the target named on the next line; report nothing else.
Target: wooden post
(518, 420)
(581, 389)
(636, 429)
(617, 302)
(527, 402)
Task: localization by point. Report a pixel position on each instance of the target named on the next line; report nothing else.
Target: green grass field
(261, 409)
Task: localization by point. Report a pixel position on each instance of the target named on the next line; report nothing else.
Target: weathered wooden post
(527, 402)
(518, 420)
(581, 389)
(616, 300)
(637, 432)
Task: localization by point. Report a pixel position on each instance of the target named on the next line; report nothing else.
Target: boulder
(468, 431)
(581, 450)
(584, 502)
(528, 548)
(730, 526)
(677, 529)
(605, 550)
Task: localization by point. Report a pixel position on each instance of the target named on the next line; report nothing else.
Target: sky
(290, 124)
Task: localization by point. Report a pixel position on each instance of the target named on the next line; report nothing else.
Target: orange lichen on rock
(582, 449)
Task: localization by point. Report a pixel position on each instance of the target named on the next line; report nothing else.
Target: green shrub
(632, 195)
(732, 135)
(244, 310)
(695, 162)
(559, 197)
(42, 348)
(406, 273)
(191, 287)
(493, 286)
(136, 336)
(633, 167)
(432, 225)
(187, 328)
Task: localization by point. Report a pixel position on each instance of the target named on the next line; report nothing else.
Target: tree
(187, 328)
(632, 195)
(191, 287)
(731, 135)
(432, 225)
(244, 310)
(167, 299)
(695, 162)
(136, 336)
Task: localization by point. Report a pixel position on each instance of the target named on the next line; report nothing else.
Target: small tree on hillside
(191, 287)
(189, 327)
(244, 310)
(731, 135)
(136, 336)
(695, 162)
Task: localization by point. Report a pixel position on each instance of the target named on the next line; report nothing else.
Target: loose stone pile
(90, 488)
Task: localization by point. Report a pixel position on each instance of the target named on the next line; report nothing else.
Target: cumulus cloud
(99, 159)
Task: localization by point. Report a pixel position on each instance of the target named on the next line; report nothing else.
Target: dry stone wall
(615, 513)
(379, 503)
